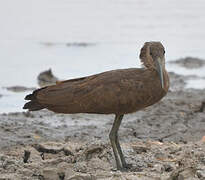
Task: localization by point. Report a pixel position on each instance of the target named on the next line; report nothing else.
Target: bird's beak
(160, 71)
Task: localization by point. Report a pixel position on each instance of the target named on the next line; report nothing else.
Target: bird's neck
(166, 80)
(165, 77)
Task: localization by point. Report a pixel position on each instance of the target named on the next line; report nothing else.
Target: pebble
(200, 174)
(50, 174)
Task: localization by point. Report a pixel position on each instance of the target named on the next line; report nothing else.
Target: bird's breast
(142, 94)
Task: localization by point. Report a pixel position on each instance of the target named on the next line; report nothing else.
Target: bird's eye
(164, 51)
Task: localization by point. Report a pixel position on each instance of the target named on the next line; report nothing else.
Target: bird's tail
(33, 104)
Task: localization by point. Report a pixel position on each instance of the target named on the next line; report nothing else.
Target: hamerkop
(116, 92)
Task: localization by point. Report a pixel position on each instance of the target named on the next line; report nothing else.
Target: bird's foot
(127, 166)
(124, 168)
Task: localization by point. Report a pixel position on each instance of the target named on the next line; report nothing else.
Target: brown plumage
(113, 92)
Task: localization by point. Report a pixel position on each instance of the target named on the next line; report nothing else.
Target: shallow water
(34, 34)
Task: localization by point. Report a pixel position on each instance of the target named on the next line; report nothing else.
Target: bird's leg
(120, 160)
(124, 164)
(113, 135)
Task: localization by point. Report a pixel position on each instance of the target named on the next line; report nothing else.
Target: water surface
(34, 34)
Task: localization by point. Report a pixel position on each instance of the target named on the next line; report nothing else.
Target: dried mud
(164, 142)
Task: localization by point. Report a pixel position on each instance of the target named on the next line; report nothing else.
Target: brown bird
(116, 92)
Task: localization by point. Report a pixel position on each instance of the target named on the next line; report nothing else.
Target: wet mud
(189, 62)
(19, 88)
(69, 44)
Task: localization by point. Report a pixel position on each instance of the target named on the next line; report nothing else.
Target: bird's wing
(64, 91)
(106, 92)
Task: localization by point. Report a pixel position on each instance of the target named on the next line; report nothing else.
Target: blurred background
(82, 37)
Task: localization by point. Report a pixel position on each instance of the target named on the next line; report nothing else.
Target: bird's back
(118, 91)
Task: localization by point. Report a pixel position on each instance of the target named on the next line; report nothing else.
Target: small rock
(28, 114)
(68, 150)
(99, 164)
(200, 174)
(83, 177)
(187, 173)
(61, 175)
(140, 149)
(10, 164)
(168, 168)
(66, 168)
(9, 176)
(160, 156)
(25, 172)
(182, 174)
(92, 150)
(201, 109)
(50, 147)
(202, 159)
(34, 155)
(80, 167)
(175, 150)
(46, 78)
(118, 177)
(26, 156)
(159, 168)
(50, 174)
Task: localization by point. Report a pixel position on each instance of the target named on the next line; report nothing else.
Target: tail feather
(29, 97)
(33, 95)
(33, 104)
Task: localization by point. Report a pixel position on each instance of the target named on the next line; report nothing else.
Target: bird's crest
(145, 56)
(147, 51)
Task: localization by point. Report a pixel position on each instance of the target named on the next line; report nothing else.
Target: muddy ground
(163, 142)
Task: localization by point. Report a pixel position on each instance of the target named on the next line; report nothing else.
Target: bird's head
(152, 56)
